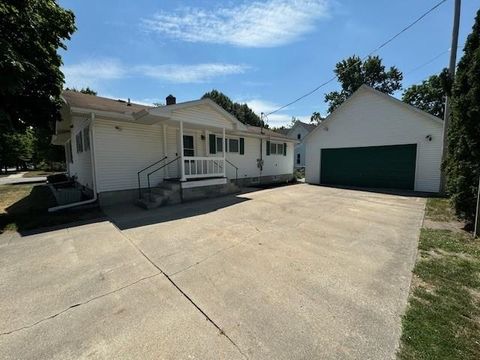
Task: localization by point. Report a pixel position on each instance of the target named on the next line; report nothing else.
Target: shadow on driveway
(129, 216)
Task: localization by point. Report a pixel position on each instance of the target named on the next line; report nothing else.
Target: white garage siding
(372, 119)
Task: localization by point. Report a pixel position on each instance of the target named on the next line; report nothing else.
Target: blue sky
(265, 53)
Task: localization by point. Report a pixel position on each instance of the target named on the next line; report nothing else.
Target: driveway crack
(209, 319)
(77, 305)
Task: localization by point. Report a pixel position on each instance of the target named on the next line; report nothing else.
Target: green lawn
(25, 207)
(36, 173)
(443, 315)
(439, 209)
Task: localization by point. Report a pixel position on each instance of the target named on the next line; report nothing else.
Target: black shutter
(212, 142)
(242, 146)
(268, 148)
(284, 149)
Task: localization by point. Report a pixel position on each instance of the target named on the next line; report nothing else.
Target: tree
(429, 96)
(17, 148)
(463, 160)
(316, 118)
(31, 32)
(241, 111)
(86, 90)
(353, 73)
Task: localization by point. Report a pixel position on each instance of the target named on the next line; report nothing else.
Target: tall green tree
(17, 148)
(31, 32)
(241, 111)
(353, 73)
(463, 162)
(429, 96)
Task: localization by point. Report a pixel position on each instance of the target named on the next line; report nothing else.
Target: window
(219, 144)
(299, 136)
(86, 138)
(298, 159)
(79, 142)
(233, 145)
(273, 148)
(276, 149)
(188, 146)
(280, 149)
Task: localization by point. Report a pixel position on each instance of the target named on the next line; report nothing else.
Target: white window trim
(238, 145)
(276, 148)
(227, 145)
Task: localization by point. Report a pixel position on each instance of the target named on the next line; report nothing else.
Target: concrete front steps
(166, 193)
(175, 192)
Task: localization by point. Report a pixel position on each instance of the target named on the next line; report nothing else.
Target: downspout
(261, 147)
(94, 177)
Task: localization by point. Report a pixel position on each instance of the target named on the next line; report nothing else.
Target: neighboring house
(108, 142)
(374, 140)
(298, 131)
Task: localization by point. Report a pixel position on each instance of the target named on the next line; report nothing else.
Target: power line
(365, 57)
(427, 62)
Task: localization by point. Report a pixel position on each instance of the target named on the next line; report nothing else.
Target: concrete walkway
(19, 179)
(299, 272)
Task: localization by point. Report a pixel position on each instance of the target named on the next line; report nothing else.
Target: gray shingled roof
(78, 99)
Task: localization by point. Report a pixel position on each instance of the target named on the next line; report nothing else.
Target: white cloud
(95, 72)
(258, 24)
(92, 72)
(275, 120)
(190, 73)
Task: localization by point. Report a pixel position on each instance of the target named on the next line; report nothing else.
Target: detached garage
(376, 141)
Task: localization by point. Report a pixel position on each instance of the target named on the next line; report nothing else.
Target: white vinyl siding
(370, 119)
(81, 165)
(299, 148)
(202, 114)
(121, 150)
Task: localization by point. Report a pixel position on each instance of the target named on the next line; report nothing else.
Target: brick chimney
(171, 100)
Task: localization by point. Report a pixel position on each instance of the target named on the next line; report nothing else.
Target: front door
(188, 145)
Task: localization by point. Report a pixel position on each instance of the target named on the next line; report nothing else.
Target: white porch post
(164, 128)
(207, 139)
(224, 153)
(182, 162)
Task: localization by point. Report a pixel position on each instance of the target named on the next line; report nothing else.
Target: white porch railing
(203, 167)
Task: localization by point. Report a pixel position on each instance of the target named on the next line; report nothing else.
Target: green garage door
(389, 167)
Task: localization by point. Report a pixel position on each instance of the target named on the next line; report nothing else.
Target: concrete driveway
(298, 272)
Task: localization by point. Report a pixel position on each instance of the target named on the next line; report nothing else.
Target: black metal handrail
(230, 163)
(161, 167)
(236, 170)
(148, 167)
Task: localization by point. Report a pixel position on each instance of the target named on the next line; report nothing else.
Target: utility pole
(451, 70)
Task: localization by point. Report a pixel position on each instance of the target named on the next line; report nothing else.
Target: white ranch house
(376, 141)
(114, 147)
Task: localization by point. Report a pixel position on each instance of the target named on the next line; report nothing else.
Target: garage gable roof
(364, 89)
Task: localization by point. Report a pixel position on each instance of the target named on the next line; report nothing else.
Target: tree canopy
(429, 96)
(241, 111)
(86, 90)
(316, 118)
(463, 161)
(353, 73)
(31, 32)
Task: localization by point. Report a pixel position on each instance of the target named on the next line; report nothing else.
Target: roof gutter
(94, 176)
